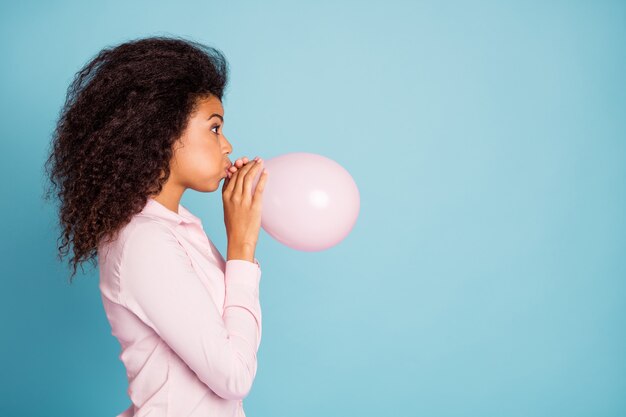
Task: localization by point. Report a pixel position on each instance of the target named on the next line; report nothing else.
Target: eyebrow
(218, 115)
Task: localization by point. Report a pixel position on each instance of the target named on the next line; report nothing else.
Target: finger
(229, 185)
(225, 184)
(234, 167)
(240, 162)
(238, 188)
(249, 177)
(260, 186)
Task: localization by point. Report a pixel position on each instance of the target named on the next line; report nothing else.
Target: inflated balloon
(310, 202)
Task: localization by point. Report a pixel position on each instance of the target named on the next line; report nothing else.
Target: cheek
(201, 162)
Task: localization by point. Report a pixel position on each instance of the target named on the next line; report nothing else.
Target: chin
(209, 186)
(219, 182)
(214, 188)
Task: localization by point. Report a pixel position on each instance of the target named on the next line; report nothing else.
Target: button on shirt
(188, 322)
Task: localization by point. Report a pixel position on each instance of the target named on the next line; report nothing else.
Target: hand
(242, 209)
(238, 164)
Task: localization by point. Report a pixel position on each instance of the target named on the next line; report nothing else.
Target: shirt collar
(184, 216)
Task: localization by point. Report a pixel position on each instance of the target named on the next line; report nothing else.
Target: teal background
(486, 274)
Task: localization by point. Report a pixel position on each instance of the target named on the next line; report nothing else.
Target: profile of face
(200, 156)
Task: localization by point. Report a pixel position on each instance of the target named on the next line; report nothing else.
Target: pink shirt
(188, 322)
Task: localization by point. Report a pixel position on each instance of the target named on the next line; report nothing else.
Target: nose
(229, 147)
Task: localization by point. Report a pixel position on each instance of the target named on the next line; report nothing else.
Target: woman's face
(200, 160)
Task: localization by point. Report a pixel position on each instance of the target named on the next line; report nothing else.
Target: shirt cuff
(243, 273)
(243, 261)
(242, 278)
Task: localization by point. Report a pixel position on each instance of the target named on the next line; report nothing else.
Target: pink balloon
(310, 202)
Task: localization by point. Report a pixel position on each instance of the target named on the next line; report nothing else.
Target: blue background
(486, 274)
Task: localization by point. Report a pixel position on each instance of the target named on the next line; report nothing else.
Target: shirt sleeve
(158, 283)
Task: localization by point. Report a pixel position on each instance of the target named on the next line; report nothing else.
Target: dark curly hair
(113, 141)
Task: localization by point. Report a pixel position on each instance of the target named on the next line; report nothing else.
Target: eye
(216, 126)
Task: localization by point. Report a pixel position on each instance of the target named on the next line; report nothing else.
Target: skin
(200, 161)
(200, 156)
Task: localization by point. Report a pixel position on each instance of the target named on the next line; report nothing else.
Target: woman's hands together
(242, 209)
(238, 164)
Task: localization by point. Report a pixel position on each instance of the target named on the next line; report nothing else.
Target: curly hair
(113, 141)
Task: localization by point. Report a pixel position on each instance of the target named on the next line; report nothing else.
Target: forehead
(210, 105)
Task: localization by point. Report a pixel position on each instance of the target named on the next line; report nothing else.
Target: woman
(143, 122)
